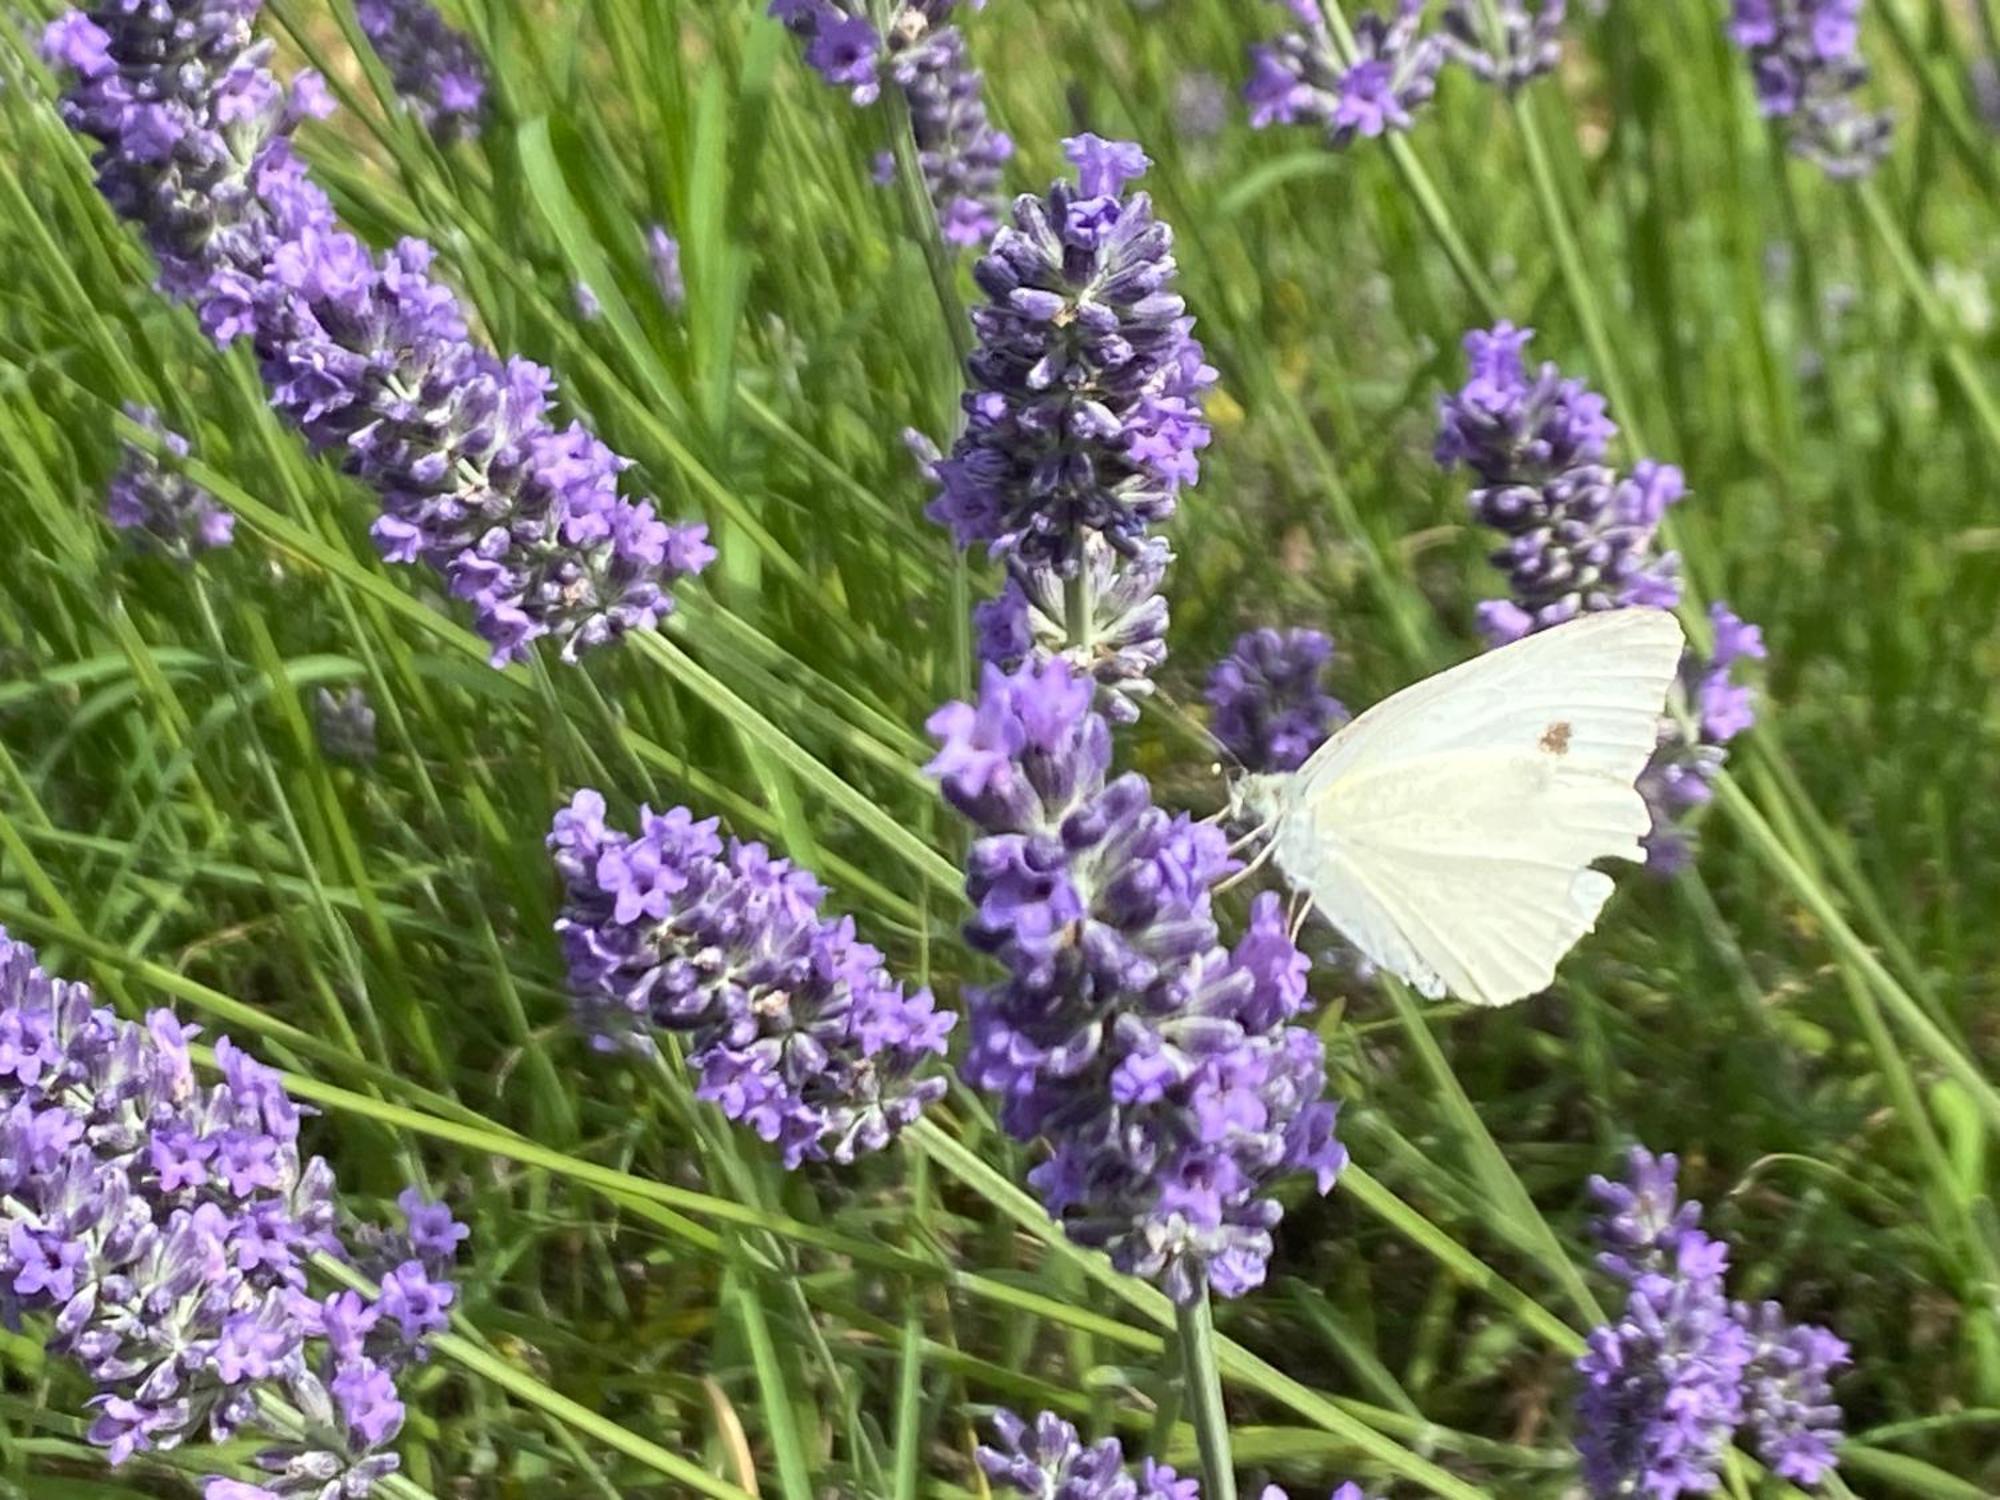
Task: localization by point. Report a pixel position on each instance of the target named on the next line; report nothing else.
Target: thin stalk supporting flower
(165, 511)
(1805, 61)
(166, 1230)
(959, 151)
(369, 355)
(797, 1029)
(1160, 1067)
(436, 70)
(1303, 77)
(1047, 1460)
(1083, 423)
(1580, 537)
(1683, 1371)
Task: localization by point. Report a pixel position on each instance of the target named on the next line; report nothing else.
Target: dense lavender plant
(369, 356)
(1158, 1065)
(1683, 1370)
(167, 511)
(1525, 43)
(1269, 697)
(797, 1030)
(435, 69)
(1301, 76)
(958, 149)
(1580, 537)
(346, 724)
(1805, 60)
(167, 1228)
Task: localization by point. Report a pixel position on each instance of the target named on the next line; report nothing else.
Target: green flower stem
(1196, 1325)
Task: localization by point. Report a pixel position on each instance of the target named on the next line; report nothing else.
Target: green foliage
(651, 1306)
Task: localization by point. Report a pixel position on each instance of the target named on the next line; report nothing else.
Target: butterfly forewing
(1448, 832)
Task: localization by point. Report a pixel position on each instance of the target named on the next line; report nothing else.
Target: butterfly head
(1258, 799)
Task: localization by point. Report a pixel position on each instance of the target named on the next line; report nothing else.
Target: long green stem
(1195, 1324)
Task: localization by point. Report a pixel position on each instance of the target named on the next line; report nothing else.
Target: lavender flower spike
(797, 1030)
(663, 254)
(1271, 706)
(1794, 1423)
(1527, 45)
(165, 510)
(1301, 77)
(959, 151)
(1048, 1461)
(1160, 1067)
(1083, 412)
(346, 724)
(1805, 60)
(369, 356)
(435, 69)
(1694, 747)
(165, 1230)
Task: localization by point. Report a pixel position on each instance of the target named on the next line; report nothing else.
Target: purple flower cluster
(1159, 1066)
(1272, 709)
(1119, 647)
(797, 1030)
(1667, 1386)
(1049, 1461)
(925, 57)
(1528, 43)
(166, 1229)
(346, 724)
(1083, 413)
(435, 69)
(168, 512)
(1805, 60)
(370, 356)
(1301, 76)
(1715, 709)
(1580, 537)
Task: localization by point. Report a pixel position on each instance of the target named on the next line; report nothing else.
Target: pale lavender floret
(1642, 1219)
(368, 355)
(588, 306)
(1300, 77)
(1528, 44)
(960, 152)
(797, 1029)
(663, 255)
(1805, 60)
(1271, 707)
(167, 511)
(435, 68)
(346, 724)
(1049, 1461)
(166, 1229)
(1083, 408)
(1127, 639)
(1159, 1066)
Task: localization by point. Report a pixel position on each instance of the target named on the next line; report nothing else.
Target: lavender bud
(1805, 61)
(164, 510)
(435, 69)
(346, 725)
(1528, 42)
(663, 253)
(1299, 77)
(1271, 706)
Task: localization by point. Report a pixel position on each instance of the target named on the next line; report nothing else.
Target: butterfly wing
(1449, 831)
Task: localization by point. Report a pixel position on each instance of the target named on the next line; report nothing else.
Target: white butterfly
(1448, 832)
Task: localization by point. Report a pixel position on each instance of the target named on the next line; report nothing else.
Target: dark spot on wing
(1555, 739)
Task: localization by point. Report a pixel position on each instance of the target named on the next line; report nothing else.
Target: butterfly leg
(1263, 855)
(1301, 909)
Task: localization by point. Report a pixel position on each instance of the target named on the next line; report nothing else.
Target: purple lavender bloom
(1793, 1419)
(1271, 706)
(435, 69)
(1641, 1220)
(1693, 750)
(346, 725)
(1127, 636)
(165, 1229)
(1048, 1461)
(663, 254)
(797, 1029)
(960, 152)
(165, 510)
(1302, 77)
(1528, 45)
(1805, 60)
(369, 356)
(1158, 1065)
(1083, 413)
